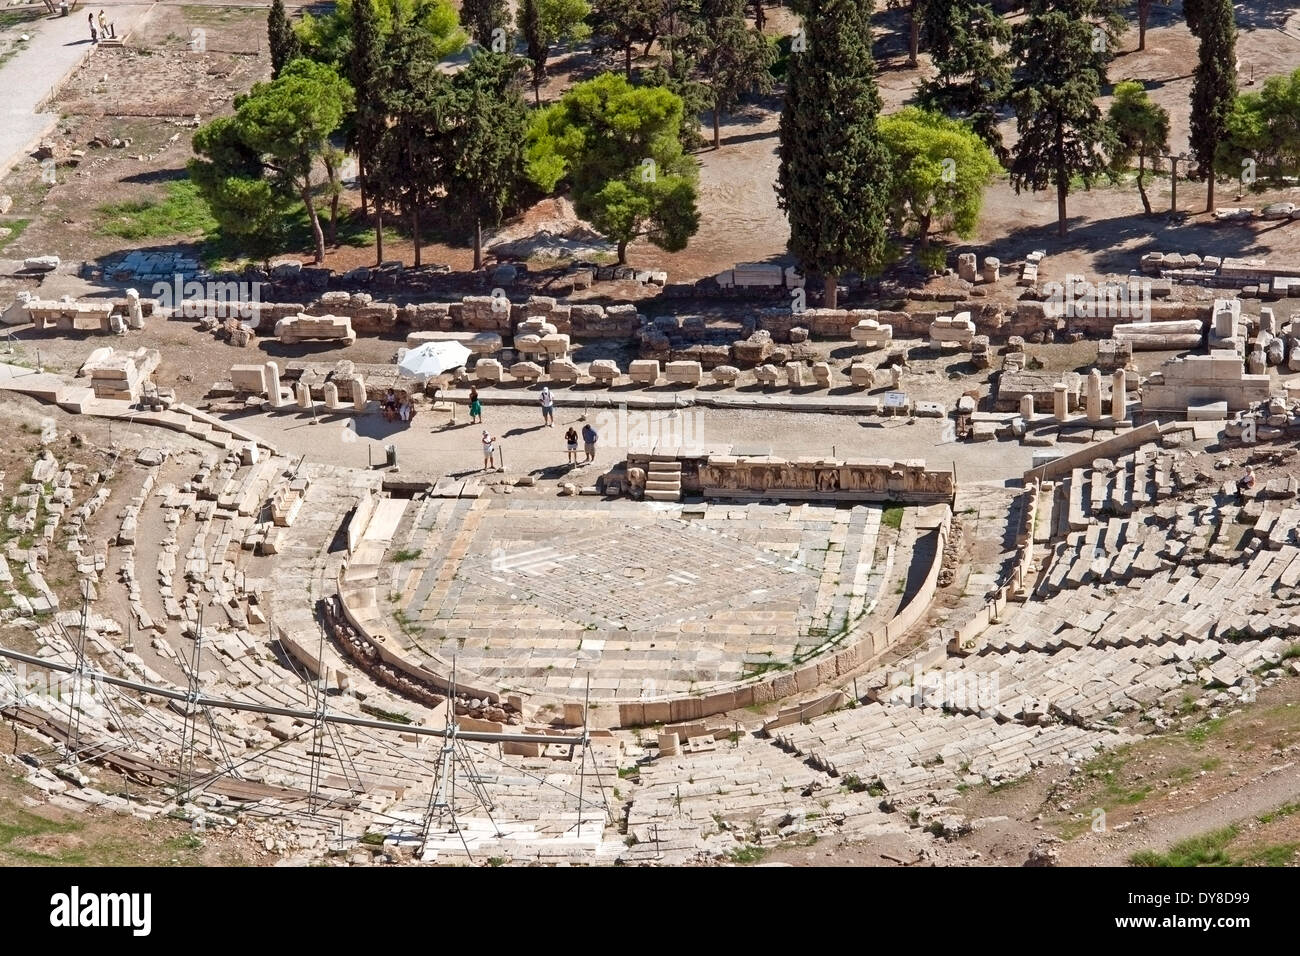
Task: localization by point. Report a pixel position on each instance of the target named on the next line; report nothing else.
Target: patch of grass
(389, 715)
(892, 517)
(182, 213)
(1202, 731)
(1286, 810)
(747, 854)
(1107, 768)
(1208, 849)
(372, 839)
(407, 554)
(18, 824)
(1275, 854)
(625, 773)
(15, 226)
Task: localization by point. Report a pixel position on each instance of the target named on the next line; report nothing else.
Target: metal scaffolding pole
(169, 693)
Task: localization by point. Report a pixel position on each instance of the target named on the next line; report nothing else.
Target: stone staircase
(663, 481)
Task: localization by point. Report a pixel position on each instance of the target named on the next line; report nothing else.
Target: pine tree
(1141, 129)
(623, 24)
(834, 178)
(282, 41)
(546, 22)
(966, 40)
(1062, 68)
(734, 59)
(481, 17)
(1214, 87)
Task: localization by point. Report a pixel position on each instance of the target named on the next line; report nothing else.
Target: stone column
(1061, 402)
(1094, 396)
(1225, 324)
(304, 395)
(895, 375)
(1027, 407)
(966, 268)
(358, 393)
(1118, 395)
(331, 396)
(271, 383)
(134, 313)
(991, 269)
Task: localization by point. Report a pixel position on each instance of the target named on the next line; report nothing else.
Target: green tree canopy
(279, 131)
(544, 23)
(1062, 132)
(482, 17)
(967, 43)
(1140, 130)
(281, 40)
(487, 123)
(1264, 127)
(327, 38)
(1214, 86)
(834, 180)
(733, 58)
(618, 147)
(941, 168)
(622, 25)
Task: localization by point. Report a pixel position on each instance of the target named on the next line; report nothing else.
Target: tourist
(94, 34)
(571, 443)
(405, 411)
(489, 449)
(548, 407)
(390, 405)
(475, 408)
(103, 24)
(1244, 484)
(589, 437)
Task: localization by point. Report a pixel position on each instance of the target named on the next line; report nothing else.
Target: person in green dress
(475, 407)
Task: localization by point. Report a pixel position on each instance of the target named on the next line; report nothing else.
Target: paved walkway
(28, 78)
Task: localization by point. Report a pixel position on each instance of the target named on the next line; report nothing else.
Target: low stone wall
(856, 650)
(1122, 443)
(726, 476)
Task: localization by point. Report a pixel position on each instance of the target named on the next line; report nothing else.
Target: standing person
(94, 34)
(571, 443)
(475, 408)
(103, 24)
(548, 407)
(489, 449)
(589, 437)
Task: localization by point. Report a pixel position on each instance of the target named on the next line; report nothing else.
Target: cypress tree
(362, 70)
(1214, 88)
(834, 178)
(282, 41)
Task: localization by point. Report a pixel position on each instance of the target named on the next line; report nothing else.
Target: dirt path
(1254, 797)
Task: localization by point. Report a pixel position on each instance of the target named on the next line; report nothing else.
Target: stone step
(673, 486)
(663, 495)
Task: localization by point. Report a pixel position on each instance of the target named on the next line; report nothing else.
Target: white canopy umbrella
(432, 358)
